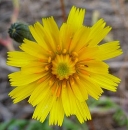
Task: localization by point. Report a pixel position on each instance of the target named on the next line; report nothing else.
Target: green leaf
(18, 125)
(36, 125)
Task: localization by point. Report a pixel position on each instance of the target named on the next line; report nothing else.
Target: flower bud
(19, 31)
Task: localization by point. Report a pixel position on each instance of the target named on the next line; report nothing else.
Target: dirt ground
(114, 12)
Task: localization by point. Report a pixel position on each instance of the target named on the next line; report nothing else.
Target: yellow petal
(65, 100)
(51, 27)
(66, 35)
(43, 108)
(105, 81)
(92, 88)
(82, 113)
(51, 33)
(98, 32)
(22, 92)
(40, 36)
(72, 99)
(108, 50)
(80, 39)
(56, 113)
(94, 66)
(19, 79)
(77, 92)
(82, 89)
(33, 49)
(41, 91)
(19, 59)
(33, 70)
(76, 18)
(87, 53)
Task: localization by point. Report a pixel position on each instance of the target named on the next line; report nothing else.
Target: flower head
(63, 67)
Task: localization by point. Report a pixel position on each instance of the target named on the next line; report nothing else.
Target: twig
(8, 41)
(118, 65)
(91, 125)
(113, 3)
(15, 11)
(120, 13)
(124, 16)
(63, 10)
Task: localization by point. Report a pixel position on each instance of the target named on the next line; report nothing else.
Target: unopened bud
(19, 31)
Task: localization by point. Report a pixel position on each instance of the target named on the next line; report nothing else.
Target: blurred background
(110, 112)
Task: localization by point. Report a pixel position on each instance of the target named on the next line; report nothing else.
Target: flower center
(63, 67)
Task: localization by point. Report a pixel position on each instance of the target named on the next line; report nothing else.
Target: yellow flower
(63, 67)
